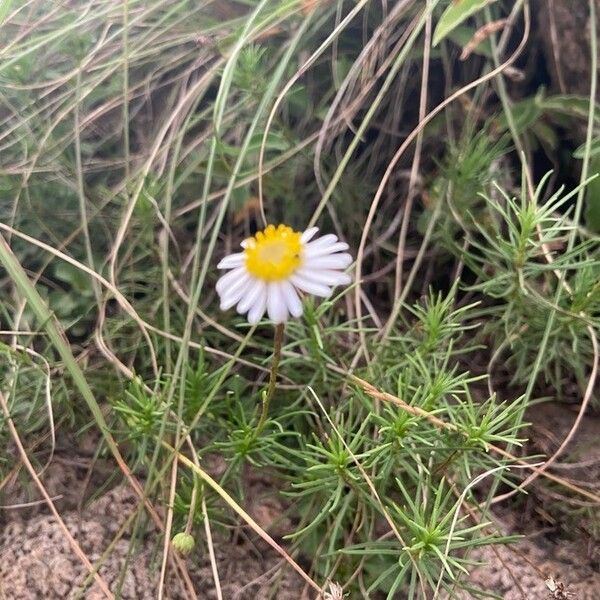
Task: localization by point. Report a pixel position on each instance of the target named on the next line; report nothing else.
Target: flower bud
(183, 543)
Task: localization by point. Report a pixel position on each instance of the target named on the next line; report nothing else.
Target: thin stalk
(268, 395)
(81, 188)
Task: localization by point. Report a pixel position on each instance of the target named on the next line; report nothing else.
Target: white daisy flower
(275, 265)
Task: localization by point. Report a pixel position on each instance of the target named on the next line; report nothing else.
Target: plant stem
(268, 395)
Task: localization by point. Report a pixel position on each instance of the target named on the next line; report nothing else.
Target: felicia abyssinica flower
(275, 265)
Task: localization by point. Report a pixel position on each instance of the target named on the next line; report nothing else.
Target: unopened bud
(183, 543)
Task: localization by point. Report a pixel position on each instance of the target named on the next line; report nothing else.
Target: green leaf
(592, 198)
(545, 134)
(559, 109)
(457, 12)
(525, 113)
(5, 6)
(594, 149)
(463, 34)
(571, 105)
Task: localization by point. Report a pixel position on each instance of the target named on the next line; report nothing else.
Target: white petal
(309, 234)
(232, 261)
(259, 307)
(325, 277)
(253, 292)
(330, 261)
(311, 251)
(326, 240)
(292, 300)
(228, 279)
(276, 305)
(232, 295)
(310, 287)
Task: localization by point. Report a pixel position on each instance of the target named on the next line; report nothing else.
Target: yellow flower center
(273, 254)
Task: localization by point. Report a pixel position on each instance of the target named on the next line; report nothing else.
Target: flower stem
(268, 395)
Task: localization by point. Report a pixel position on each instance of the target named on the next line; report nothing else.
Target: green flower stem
(268, 395)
